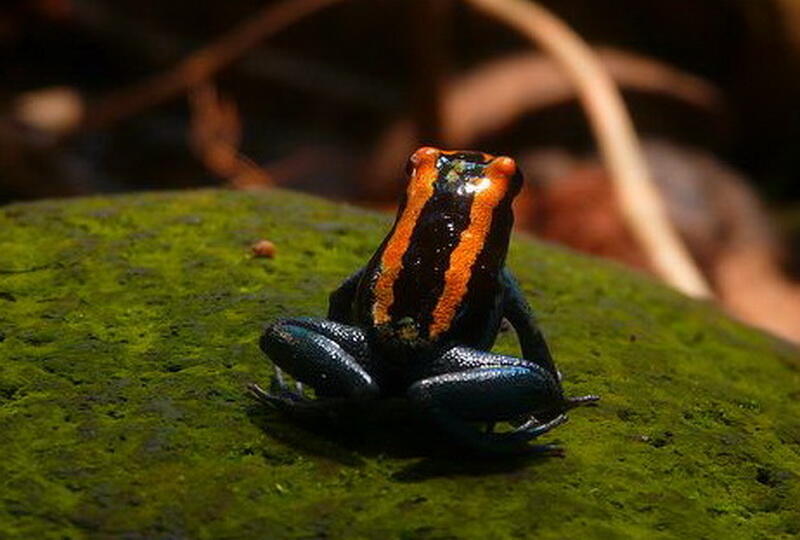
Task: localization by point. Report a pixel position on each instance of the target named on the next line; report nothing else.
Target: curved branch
(640, 202)
(203, 63)
(490, 97)
(493, 95)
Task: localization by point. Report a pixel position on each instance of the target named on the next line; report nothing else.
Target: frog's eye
(425, 154)
(505, 166)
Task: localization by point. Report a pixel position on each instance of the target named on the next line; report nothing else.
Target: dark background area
(343, 74)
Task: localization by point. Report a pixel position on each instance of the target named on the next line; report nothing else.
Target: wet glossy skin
(420, 318)
(436, 277)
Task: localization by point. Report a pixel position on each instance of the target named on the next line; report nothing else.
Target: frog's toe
(278, 382)
(300, 406)
(533, 427)
(282, 399)
(579, 401)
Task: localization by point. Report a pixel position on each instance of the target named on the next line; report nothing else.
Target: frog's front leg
(340, 301)
(519, 313)
(331, 357)
(466, 386)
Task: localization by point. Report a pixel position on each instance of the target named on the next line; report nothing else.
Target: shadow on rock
(348, 432)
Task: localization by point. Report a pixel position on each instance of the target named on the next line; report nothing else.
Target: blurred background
(115, 96)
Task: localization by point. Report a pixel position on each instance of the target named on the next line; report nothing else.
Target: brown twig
(430, 32)
(493, 95)
(203, 64)
(640, 201)
(215, 136)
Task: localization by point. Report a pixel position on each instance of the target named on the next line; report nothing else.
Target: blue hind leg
(467, 386)
(330, 357)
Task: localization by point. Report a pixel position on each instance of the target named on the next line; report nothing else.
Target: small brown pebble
(263, 248)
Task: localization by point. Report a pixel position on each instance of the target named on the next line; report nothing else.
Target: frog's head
(460, 178)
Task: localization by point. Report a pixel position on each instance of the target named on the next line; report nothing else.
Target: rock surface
(128, 331)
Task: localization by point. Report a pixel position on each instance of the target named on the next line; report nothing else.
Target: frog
(419, 320)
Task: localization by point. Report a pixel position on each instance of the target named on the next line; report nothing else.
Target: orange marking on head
(473, 238)
(420, 189)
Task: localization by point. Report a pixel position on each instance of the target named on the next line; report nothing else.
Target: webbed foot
(490, 442)
(492, 389)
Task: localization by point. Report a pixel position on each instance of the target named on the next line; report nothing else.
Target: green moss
(128, 330)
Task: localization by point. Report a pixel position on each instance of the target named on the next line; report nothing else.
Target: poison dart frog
(419, 320)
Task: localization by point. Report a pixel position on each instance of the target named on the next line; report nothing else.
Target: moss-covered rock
(128, 330)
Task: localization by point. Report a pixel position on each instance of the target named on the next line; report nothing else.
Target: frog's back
(436, 276)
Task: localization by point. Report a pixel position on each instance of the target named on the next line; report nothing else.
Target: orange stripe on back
(420, 190)
(472, 240)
